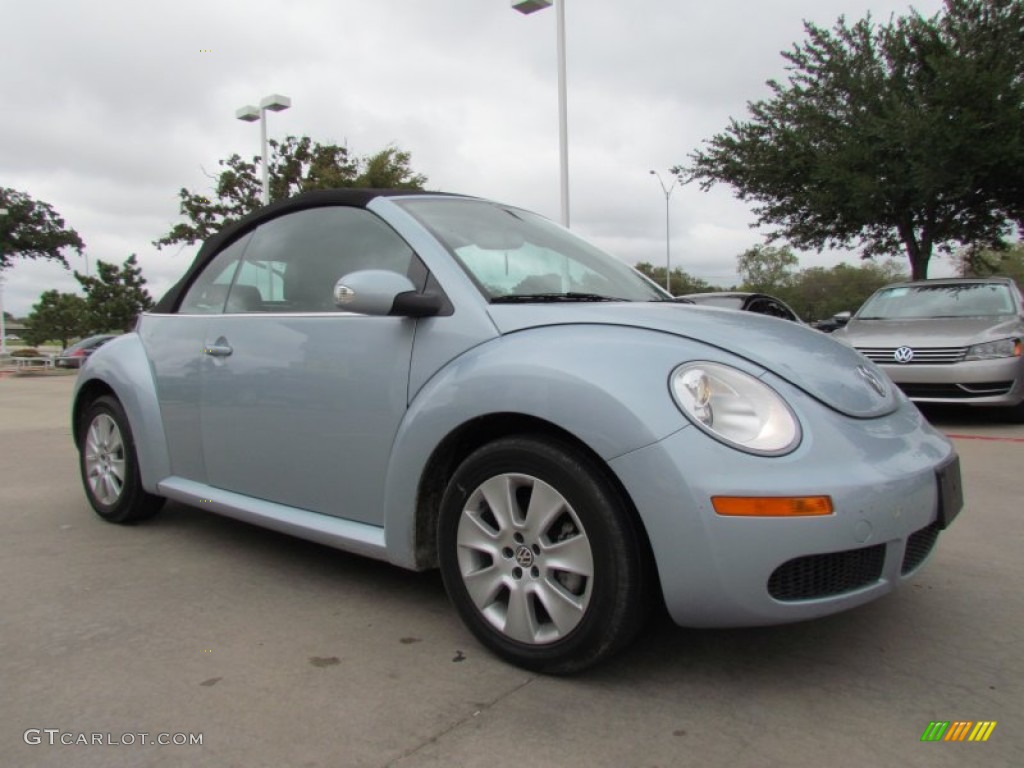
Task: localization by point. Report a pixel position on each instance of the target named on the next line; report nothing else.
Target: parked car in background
(834, 323)
(759, 303)
(442, 381)
(76, 354)
(956, 340)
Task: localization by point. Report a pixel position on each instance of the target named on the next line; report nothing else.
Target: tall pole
(531, 6)
(563, 116)
(668, 242)
(3, 320)
(250, 114)
(263, 147)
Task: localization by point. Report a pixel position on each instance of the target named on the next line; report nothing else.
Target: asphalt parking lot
(277, 652)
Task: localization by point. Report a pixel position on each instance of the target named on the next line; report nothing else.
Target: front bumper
(975, 382)
(727, 571)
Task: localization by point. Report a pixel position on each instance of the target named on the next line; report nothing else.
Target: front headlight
(992, 350)
(735, 408)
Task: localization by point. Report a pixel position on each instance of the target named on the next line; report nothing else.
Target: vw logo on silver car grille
(870, 377)
(903, 355)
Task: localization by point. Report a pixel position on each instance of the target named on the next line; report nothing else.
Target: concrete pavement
(277, 652)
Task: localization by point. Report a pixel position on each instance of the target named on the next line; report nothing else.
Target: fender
(557, 374)
(128, 374)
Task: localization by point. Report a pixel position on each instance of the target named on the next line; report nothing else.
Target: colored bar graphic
(982, 731)
(958, 730)
(935, 731)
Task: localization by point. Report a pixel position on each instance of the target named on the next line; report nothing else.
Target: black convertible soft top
(354, 198)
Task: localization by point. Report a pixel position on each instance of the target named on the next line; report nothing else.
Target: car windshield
(515, 256)
(943, 300)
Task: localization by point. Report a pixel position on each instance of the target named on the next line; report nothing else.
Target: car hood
(929, 332)
(808, 359)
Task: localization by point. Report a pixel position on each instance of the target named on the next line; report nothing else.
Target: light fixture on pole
(3, 320)
(668, 246)
(250, 114)
(527, 7)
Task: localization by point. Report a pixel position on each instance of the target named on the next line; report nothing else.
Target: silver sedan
(956, 340)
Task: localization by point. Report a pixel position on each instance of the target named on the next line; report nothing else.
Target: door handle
(220, 348)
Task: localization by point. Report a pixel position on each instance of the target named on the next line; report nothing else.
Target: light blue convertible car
(444, 381)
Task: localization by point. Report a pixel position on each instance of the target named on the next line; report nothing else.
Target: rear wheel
(540, 555)
(110, 467)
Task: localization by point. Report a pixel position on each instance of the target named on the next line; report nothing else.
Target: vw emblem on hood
(903, 355)
(871, 378)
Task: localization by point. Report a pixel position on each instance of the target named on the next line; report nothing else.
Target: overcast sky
(110, 107)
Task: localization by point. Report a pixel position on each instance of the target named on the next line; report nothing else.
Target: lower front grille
(919, 546)
(815, 576)
(957, 391)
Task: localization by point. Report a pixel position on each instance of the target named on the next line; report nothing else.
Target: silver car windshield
(948, 300)
(516, 256)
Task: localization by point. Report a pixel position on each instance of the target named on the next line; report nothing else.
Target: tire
(110, 467)
(540, 555)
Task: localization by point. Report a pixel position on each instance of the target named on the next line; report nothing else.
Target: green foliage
(766, 269)
(815, 293)
(296, 164)
(58, 316)
(31, 229)
(679, 281)
(899, 137)
(818, 293)
(986, 262)
(115, 296)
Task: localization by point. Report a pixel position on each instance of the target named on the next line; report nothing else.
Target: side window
(209, 293)
(775, 309)
(295, 260)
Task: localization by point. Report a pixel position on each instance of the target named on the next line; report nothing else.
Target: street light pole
(668, 242)
(527, 7)
(3, 320)
(250, 114)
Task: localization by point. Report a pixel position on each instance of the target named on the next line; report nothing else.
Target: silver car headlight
(735, 408)
(992, 350)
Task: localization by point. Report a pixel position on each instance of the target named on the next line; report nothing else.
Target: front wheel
(110, 466)
(540, 555)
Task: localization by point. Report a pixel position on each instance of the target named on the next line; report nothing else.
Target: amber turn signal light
(772, 506)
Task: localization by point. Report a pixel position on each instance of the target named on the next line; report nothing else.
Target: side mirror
(380, 292)
(842, 318)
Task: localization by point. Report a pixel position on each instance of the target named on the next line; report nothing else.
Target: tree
(818, 293)
(31, 229)
(115, 296)
(56, 315)
(986, 262)
(766, 269)
(297, 164)
(679, 281)
(897, 137)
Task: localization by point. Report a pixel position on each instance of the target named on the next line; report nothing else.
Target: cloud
(112, 106)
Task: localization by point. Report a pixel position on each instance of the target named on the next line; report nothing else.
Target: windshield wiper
(515, 298)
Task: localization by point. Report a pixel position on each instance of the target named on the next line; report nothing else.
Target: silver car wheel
(525, 558)
(105, 459)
